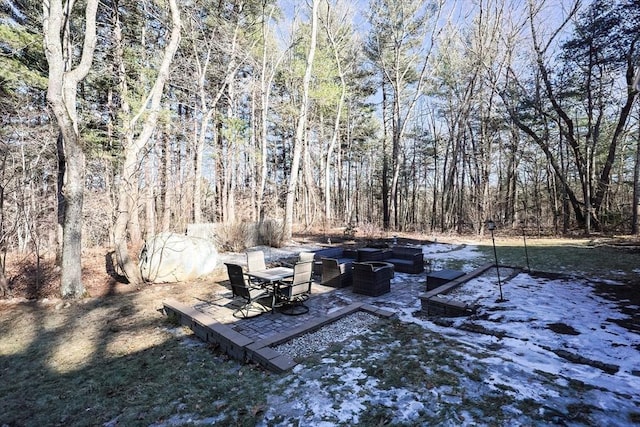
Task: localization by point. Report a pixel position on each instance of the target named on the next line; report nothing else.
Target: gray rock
(171, 257)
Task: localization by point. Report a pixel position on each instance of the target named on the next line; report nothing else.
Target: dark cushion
(404, 251)
(406, 259)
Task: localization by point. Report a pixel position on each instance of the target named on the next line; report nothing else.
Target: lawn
(562, 350)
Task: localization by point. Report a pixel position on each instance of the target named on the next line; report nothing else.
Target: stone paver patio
(253, 338)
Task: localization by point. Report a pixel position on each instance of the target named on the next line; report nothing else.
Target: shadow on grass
(69, 369)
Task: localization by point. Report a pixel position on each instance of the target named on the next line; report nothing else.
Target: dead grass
(116, 360)
(113, 358)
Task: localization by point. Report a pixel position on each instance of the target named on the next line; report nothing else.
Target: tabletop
(271, 275)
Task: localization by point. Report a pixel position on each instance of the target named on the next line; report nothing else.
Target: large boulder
(171, 257)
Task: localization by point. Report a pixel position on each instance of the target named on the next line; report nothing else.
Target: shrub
(370, 230)
(235, 237)
(270, 233)
(350, 231)
(238, 236)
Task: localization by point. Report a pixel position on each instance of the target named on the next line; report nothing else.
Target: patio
(500, 343)
(253, 338)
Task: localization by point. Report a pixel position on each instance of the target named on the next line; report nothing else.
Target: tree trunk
(336, 124)
(166, 189)
(635, 227)
(62, 204)
(150, 200)
(265, 93)
(134, 146)
(300, 129)
(61, 96)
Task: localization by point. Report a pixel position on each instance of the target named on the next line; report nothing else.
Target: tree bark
(635, 226)
(61, 96)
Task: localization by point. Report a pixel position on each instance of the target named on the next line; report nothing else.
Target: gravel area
(337, 331)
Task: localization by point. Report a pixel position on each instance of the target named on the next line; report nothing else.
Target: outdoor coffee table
(435, 279)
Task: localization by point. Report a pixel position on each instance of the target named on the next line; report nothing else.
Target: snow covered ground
(555, 353)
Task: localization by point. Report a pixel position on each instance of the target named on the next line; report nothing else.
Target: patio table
(271, 275)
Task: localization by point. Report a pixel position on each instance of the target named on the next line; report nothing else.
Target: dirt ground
(30, 281)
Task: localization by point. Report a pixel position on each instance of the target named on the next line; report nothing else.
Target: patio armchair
(302, 257)
(335, 273)
(343, 255)
(316, 264)
(292, 293)
(242, 287)
(372, 278)
(255, 262)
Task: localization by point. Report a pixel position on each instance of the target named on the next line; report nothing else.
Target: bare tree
(61, 96)
(635, 214)
(401, 41)
(579, 105)
(337, 31)
(137, 137)
(300, 128)
(268, 68)
(218, 39)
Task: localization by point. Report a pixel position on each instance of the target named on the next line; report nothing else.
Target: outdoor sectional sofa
(405, 259)
(335, 265)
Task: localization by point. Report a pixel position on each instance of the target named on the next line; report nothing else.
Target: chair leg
(294, 308)
(249, 310)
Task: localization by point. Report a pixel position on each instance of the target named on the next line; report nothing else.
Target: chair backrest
(238, 280)
(301, 282)
(306, 256)
(255, 261)
(302, 272)
(330, 268)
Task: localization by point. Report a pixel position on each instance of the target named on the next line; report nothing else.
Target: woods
(122, 119)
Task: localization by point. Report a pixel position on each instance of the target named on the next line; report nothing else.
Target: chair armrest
(345, 268)
(330, 267)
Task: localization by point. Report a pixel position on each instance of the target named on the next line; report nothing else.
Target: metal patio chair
(243, 288)
(255, 261)
(292, 293)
